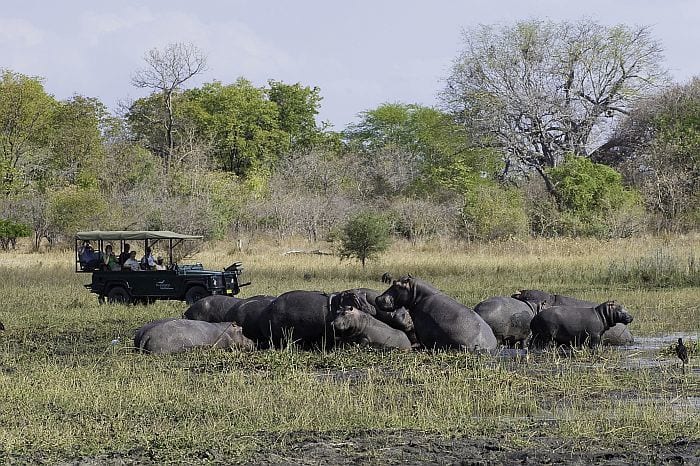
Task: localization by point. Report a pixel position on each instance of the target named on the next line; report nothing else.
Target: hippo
(211, 308)
(305, 317)
(440, 321)
(248, 313)
(574, 326)
(302, 317)
(509, 318)
(178, 335)
(618, 335)
(353, 325)
(364, 299)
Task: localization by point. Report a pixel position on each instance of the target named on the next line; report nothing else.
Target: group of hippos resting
(411, 313)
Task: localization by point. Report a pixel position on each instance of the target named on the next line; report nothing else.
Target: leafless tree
(165, 72)
(541, 89)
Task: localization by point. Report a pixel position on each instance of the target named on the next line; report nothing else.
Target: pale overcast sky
(361, 53)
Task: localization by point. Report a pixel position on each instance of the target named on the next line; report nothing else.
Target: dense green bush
(365, 236)
(493, 212)
(591, 198)
(10, 231)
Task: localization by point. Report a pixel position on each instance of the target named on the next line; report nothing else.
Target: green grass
(68, 392)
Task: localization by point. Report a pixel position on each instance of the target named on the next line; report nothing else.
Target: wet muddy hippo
(211, 308)
(365, 300)
(618, 335)
(575, 326)
(178, 335)
(509, 318)
(439, 320)
(299, 317)
(248, 313)
(355, 326)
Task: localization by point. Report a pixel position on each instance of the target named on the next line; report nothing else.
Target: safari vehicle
(179, 282)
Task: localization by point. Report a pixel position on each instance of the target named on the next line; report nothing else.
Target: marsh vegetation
(74, 391)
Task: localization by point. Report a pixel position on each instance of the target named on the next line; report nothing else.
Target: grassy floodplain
(72, 387)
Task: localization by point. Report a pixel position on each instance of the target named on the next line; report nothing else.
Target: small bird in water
(682, 353)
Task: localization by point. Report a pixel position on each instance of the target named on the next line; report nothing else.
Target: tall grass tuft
(659, 269)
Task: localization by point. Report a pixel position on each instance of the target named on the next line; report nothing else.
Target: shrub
(491, 212)
(364, 236)
(10, 231)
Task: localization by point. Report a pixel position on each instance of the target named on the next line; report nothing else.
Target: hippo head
(344, 318)
(357, 300)
(402, 319)
(399, 294)
(614, 313)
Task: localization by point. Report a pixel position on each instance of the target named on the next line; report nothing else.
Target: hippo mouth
(626, 319)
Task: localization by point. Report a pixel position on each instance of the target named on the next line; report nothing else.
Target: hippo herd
(411, 313)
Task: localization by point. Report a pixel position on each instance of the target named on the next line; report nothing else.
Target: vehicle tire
(194, 294)
(118, 295)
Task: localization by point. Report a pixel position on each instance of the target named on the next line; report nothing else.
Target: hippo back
(211, 308)
(509, 318)
(298, 316)
(439, 320)
(178, 335)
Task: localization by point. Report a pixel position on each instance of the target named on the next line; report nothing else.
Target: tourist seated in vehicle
(124, 255)
(89, 259)
(109, 260)
(131, 263)
(159, 264)
(148, 262)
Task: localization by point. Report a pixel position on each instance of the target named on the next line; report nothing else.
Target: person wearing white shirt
(131, 263)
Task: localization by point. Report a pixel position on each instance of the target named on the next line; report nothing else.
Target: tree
(364, 236)
(166, 71)
(297, 108)
(419, 148)
(658, 148)
(10, 231)
(241, 123)
(540, 89)
(77, 150)
(26, 112)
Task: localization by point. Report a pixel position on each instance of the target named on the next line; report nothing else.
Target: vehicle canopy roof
(131, 235)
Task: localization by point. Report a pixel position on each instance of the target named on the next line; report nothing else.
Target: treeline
(542, 129)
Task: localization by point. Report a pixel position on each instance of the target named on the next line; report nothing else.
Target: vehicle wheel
(118, 295)
(194, 294)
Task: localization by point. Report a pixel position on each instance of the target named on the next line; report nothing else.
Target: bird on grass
(682, 353)
(2, 327)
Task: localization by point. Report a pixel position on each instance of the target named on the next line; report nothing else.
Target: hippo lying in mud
(178, 335)
(439, 320)
(304, 317)
(354, 326)
(248, 313)
(509, 318)
(575, 326)
(618, 335)
(365, 300)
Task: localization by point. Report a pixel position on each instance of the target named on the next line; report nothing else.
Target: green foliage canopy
(365, 236)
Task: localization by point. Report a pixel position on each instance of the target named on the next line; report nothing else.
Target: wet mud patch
(416, 447)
